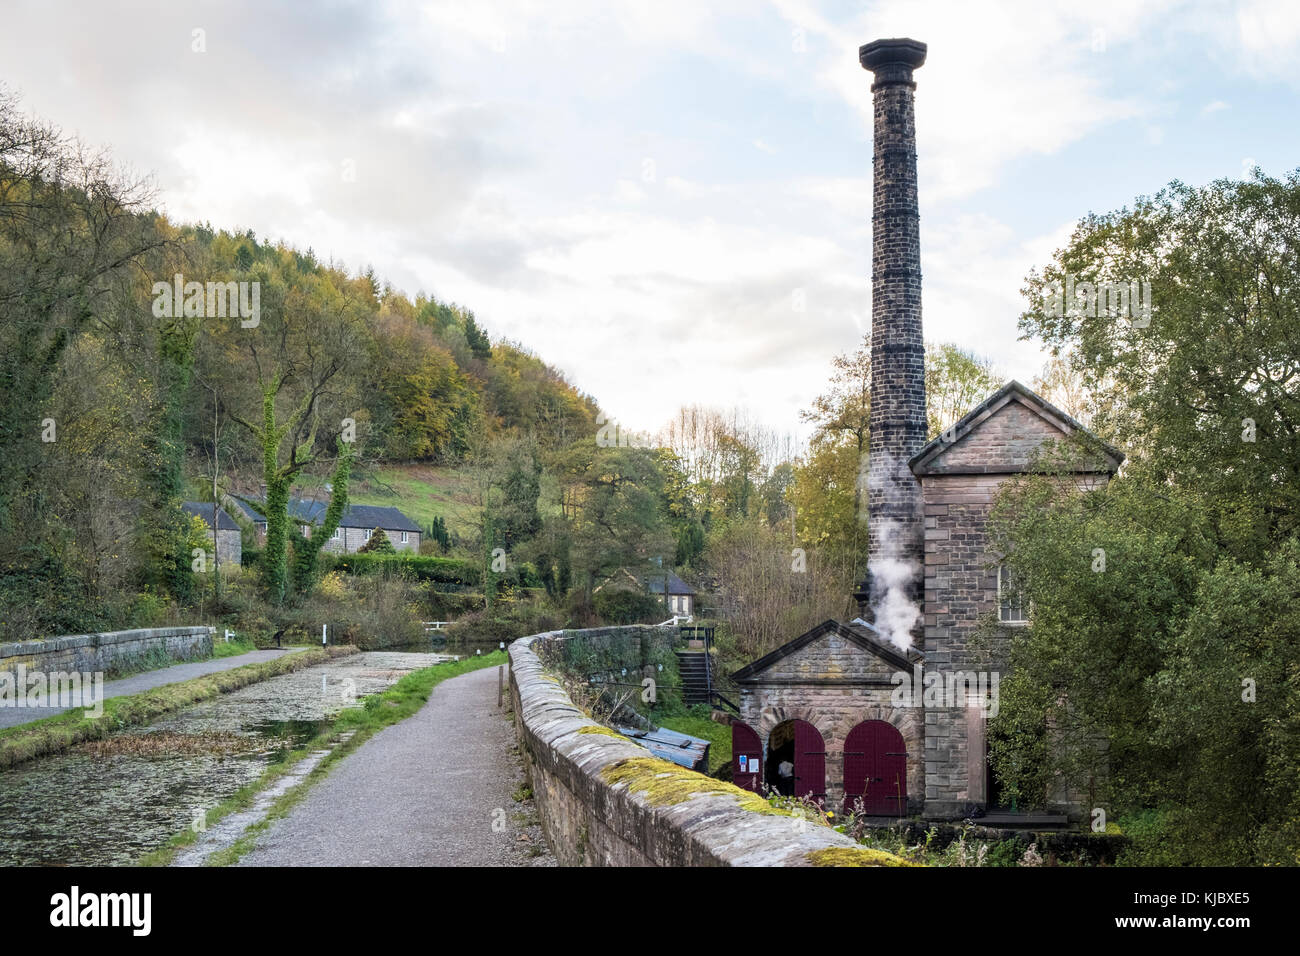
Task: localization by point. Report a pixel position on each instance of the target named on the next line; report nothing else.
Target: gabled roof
(313, 512)
(651, 581)
(367, 517)
(865, 637)
(203, 510)
(250, 511)
(928, 459)
(373, 516)
(656, 581)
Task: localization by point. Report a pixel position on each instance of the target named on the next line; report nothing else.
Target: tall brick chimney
(892, 589)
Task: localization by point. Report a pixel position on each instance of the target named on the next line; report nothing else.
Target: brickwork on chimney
(898, 415)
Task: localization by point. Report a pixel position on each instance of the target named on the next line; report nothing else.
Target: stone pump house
(842, 714)
(845, 708)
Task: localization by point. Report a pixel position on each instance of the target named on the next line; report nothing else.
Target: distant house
(224, 532)
(356, 527)
(679, 597)
(253, 517)
(676, 595)
(360, 521)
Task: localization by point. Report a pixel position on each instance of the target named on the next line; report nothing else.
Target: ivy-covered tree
(306, 550)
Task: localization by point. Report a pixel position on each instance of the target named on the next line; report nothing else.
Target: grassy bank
(54, 734)
(375, 713)
(699, 724)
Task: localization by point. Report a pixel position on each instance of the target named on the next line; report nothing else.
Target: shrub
(624, 606)
(378, 544)
(420, 567)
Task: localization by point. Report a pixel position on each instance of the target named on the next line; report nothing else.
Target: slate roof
(367, 517)
(655, 581)
(312, 512)
(1012, 391)
(203, 510)
(373, 516)
(250, 511)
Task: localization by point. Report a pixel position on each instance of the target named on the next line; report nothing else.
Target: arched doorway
(875, 770)
(796, 761)
(746, 757)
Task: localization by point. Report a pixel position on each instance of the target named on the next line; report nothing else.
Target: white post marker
(322, 632)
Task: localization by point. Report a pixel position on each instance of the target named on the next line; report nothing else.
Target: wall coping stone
(708, 829)
(107, 638)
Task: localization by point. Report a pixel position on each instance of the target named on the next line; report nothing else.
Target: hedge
(425, 567)
(421, 567)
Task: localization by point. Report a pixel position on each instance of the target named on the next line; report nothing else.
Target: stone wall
(229, 547)
(961, 589)
(590, 821)
(105, 652)
(352, 540)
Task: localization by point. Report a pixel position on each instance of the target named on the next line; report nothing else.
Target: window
(1011, 609)
(404, 537)
(367, 538)
(338, 533)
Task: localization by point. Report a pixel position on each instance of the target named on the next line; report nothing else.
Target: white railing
(677, 619)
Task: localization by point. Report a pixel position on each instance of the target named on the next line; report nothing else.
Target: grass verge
(376, 712)
(718, 735)
(54, 734)
(223, 649)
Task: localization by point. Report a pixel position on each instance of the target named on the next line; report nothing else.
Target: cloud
(495, 154)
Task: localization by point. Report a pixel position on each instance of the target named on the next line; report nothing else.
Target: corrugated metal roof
(682, 749)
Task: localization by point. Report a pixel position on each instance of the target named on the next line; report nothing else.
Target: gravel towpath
(437, 789)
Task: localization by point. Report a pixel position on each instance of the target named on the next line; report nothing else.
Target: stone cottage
(677, 597)
(887, 714)
(356, 526)
(222, 531)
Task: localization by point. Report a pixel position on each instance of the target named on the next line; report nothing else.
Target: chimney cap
(899, 51)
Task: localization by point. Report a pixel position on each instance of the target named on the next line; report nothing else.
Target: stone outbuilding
(823, 703)
(222, 531)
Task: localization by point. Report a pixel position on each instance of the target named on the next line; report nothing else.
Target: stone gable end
(829, 657)
(1008, 439)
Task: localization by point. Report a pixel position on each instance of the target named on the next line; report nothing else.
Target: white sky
(636, 190)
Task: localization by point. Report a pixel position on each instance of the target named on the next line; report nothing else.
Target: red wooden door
(875, 769)
(746, 758)
(809, 762)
